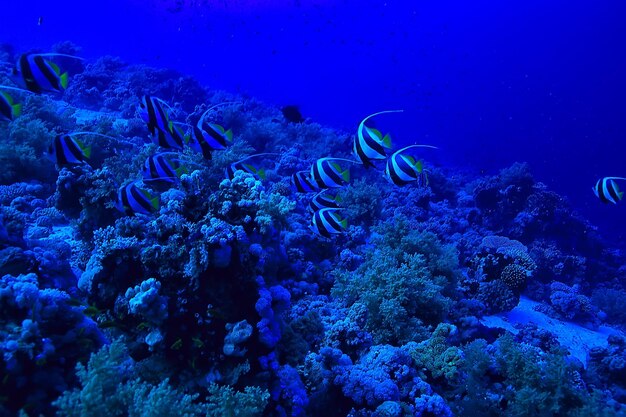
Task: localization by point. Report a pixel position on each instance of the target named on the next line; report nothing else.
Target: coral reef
(207, 292)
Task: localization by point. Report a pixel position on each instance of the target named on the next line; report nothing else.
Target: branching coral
(110, 385)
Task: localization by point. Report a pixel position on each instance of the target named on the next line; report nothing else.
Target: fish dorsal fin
(87, 151)
(387, 141)
(80, 143)
(250, 168)
(335, 215)
(145, 193)
(217, 127)
(380, 112)
(408, 159)
(619, 193)
(54, 67)
(7, 97)
(374, 132)
(181, 170)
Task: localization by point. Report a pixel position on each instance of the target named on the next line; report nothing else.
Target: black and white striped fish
(207, 137)
(327, 173)
(322, 200)
(9, 110)
(251, 168)
(162, 170)
(303, 182)
(41, 75)
(65, 150)
(170, 138)
(134, 200)
(326, 222)
(370, 144)
(607, 191)
(210, 137)
(404, 169)
(152, 111)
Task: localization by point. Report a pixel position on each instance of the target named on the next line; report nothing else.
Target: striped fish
(152, 112)
(303, 182)
(161, 170)
(210, 137)
(607, 191)
(134, 200)
(244, 166)
(326, 222)
(403, 169)
(327, 173)
(41, 75)
(9, 110)
(170, 138)
(322, 200)
(65, 150)
(369, 144)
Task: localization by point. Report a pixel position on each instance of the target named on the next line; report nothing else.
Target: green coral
(111, 386)
(437, 356)
(224, 401)
(362, 202)
(538, 384)
(401, 294)
(404, 282)
(402, 238)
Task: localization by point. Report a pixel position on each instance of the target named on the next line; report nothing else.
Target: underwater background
(199, 217)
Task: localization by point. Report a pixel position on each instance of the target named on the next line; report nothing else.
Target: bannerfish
(322, 200)
(327, 173)
(171, 137)
(134, 200)
(66, 150)
(211, 137)
(303, 182)
(244, 166)
(404, 169)
(9, 110)
(207, 137)
(162, 170)
(152, 112)
(326, 222)
(370, 144)
(40, 75)
(607, 191)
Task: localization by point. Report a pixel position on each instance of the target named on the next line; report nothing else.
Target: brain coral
(514, 276)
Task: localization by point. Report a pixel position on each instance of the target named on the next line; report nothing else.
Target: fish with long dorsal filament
(370, 144)
(607, 190)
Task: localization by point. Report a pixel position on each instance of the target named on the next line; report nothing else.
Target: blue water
(476, 293)
(491, 83)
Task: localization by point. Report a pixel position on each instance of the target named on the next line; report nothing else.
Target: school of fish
(38, 74)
